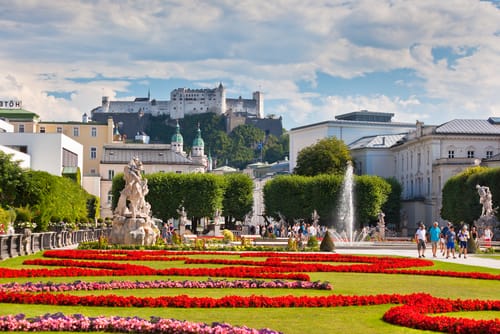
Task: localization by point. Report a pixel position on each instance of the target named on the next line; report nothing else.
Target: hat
(449, 223)
(435, 223)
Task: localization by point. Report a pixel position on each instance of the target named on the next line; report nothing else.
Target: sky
(431, 61)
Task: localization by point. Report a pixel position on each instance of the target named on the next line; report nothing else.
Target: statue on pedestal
(485, 198)
(132, 222)
(381, 225)
(315, 218)
(487, 220)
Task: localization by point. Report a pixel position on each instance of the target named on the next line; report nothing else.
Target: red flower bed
(276, 265)
(414, 315)
(413, 311)
(184, 301)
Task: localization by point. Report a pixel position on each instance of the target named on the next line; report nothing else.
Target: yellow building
(92, 135)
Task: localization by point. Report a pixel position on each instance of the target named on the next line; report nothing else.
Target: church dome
(198, 141)
(177, 137)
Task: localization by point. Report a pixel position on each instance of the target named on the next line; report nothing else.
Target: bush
(176, 238)
(292, 245)
(246, 242)
(23, 214)
(327, 244)
(312, 242)
(228, 236)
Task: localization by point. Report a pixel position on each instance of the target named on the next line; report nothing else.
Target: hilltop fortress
(186, 101)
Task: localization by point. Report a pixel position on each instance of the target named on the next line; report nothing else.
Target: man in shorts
(450, 242)
(434, 235)
(463, 237)
(421, 237)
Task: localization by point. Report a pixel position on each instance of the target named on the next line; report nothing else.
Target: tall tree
(238, 198)
(12, 179)
(327, 156)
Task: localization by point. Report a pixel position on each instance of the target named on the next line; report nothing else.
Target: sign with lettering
(10, 104)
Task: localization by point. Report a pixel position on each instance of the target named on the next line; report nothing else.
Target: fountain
(345, 210)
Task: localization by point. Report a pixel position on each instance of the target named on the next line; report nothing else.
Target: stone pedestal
(133, 231)
(217, 230)
(182, 229)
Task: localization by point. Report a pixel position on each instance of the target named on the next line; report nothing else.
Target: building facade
(348, 127)
(187, 101)
(53, 153)
(428, 156)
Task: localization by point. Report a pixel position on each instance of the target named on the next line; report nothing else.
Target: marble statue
(132, 222)
(485, 198)
(381, 225)
(315, 218)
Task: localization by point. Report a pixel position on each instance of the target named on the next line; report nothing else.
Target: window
(70, 159)
(111, 174)
(93, 132)
(42, 129)
(110, 197)
(21, 127)
(489, 154)
(470, 154)
(59, 129)
(451, 154)
(76, 132)
(93, 153)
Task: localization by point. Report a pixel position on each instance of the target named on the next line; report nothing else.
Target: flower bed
(78, 323)
(413, 310)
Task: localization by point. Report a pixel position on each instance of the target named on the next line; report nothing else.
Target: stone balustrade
(13, 245)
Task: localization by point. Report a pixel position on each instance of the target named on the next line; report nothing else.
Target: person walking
(487, 235)
(450, 242)
(434, 236)
(442, 239)
(421, 237)
(463, 237)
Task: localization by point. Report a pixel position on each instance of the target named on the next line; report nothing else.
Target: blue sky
(431, 61)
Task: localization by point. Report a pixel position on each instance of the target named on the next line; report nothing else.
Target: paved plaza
(471, 260)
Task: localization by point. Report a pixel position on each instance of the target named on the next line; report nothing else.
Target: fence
(23, 244)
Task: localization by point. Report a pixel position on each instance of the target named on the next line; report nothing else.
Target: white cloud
(88, 49)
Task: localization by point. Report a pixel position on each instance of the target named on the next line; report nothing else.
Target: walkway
(471, 260)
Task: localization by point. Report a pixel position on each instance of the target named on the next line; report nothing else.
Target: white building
(372, 155)
(348, 127)
(187, 101)
(428, 156)
(54, 153)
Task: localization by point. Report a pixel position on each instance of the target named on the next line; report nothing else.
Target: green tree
(287, 195)
(50, 197)
(203, 195)
(245, 140)
(220, 147)
(12, 180)
(238, 198)
(275, 148)
(327, 156)
(296, 197)
(392, 207)
(371, 192)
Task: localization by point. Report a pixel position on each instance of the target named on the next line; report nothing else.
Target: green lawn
(361, 319)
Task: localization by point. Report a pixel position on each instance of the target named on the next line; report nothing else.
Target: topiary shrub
(312, 242)
(228, 236)
(327, 244)
(292, 245)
